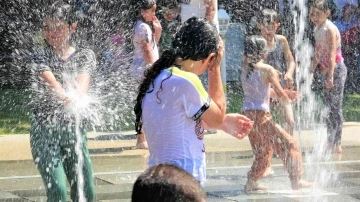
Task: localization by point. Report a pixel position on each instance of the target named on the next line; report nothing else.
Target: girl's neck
(191, 66)
(270, 42)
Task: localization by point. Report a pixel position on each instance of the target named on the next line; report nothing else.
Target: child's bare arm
(83, 81)
(210, 10)
(214, 116)
(147, 50)
(314, 64)
(290, 62)
(234, 124)
(332, 46)
(157, 28)
(49, 77)
(273, 78)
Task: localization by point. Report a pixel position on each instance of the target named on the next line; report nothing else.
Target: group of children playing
(172, 107)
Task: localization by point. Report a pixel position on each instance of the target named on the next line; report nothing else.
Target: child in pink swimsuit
(329, 58)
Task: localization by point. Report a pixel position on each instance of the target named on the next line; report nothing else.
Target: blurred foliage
(15, 116)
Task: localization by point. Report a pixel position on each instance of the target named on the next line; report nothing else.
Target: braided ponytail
(166, 60)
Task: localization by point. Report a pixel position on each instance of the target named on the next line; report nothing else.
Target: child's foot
(338, 148)
(330, 147)
(141, 142)
(299, 184)
(142, 145)
(252, 185)
(334, 148)
(269, 172)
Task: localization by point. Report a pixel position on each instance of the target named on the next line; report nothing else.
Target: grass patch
(15, 115)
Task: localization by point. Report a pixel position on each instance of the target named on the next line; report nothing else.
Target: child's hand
(67, 101)
(329, 82)
(293, 95)
(156, 24)
(289, 82)
(214, 63)
(237, 125)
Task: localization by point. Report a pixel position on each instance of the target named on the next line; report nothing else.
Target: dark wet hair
(266, 16)
(145, 4)
(61, 10)
(255, 45)
(196, 40)
(165, 182)
(141, 5)
(170, 4)
(322, 5)
(131, 13)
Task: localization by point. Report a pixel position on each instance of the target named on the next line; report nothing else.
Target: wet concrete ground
(226, 173)
(117, 164)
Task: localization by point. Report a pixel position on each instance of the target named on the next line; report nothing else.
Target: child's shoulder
(281, 38)
(141, 25)
(87, 53)
(263, 67)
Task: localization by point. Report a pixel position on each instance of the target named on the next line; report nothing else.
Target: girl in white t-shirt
(147, 32)
(172, 106)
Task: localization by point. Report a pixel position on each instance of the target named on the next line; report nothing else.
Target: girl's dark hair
(168, 3)
(322, 5)
(196, 40)
(255, 45)
(131, 13)
(165, 182)
(61, 10)
(266, 16)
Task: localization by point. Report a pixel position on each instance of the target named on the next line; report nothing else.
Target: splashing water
(80, 108)
(310, 110)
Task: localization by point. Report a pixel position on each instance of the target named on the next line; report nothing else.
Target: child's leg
(261, 148)
(333, 99)
(286, 147)
(286, 115)
(45, 150)
(70, 161)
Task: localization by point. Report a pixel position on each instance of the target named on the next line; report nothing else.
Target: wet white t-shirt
(142, 32)
(171, 121)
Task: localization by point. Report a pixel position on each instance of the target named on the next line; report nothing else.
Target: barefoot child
(267, 136)
(279, 57)
(147, 32)
(329, 58)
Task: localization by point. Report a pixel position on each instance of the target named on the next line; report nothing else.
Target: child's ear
(141, 12)
(209, 58)
(328, 13)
